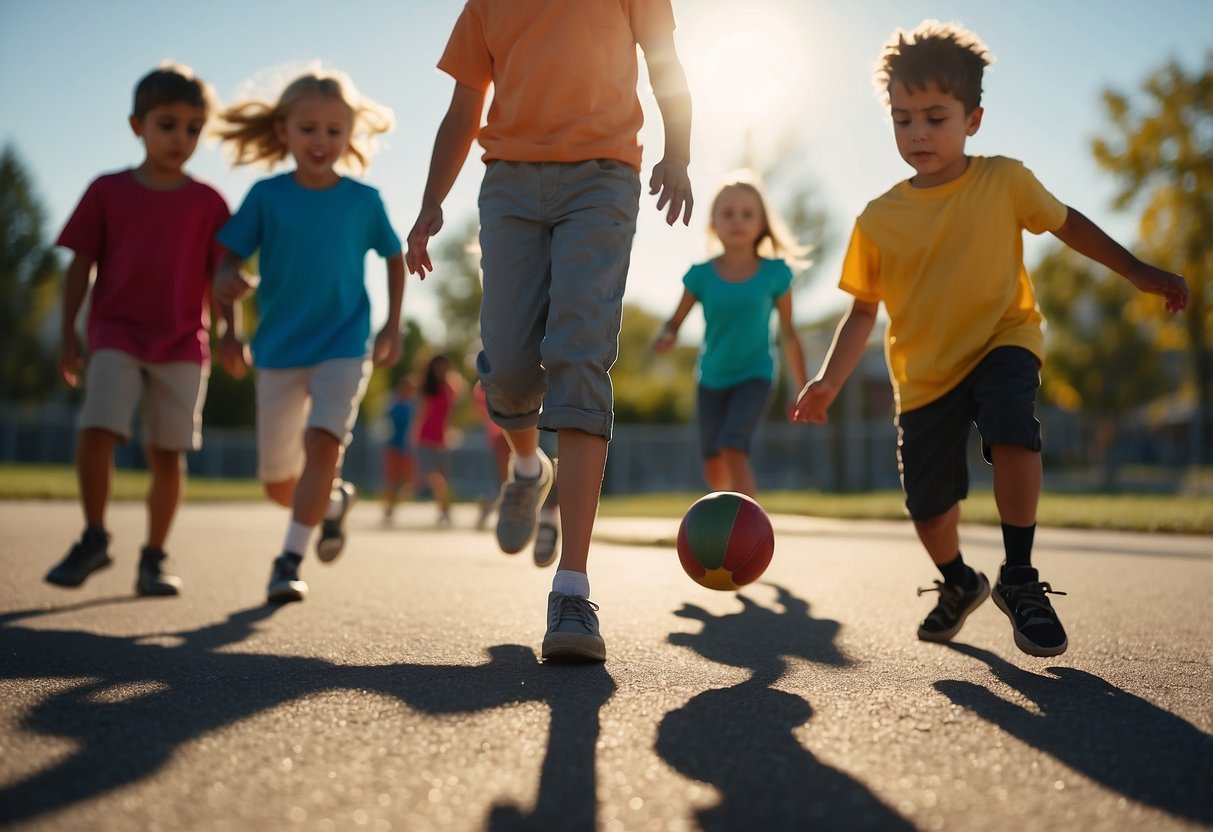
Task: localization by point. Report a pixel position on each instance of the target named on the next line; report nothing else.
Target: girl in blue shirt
(739, 290)
(311, 229)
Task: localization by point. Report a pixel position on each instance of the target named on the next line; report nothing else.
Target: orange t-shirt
(563, 74)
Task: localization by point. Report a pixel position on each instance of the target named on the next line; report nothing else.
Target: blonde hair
(249, 126)
(776, 239)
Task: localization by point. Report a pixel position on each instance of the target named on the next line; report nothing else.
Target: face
(316, 133)
(931, 128)
(738, 219)
(170, 135)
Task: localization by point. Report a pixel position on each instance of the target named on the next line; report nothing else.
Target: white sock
(298, 536)
(527, 467)
(568, 582)
(336, 505)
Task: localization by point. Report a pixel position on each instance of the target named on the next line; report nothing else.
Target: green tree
(1160, 147)
(1099, 358)
(29, 275)
(648, 388)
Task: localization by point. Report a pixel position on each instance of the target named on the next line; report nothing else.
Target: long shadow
(742, 739)
(1117, 739)
(140, 700)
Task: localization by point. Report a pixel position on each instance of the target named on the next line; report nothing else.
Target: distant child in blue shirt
(740, 290)
(398, 468)
(311, 229)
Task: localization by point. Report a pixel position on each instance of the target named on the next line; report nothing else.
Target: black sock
(957, 573)
(1017, 541)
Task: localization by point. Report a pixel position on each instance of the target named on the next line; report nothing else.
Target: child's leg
(94, 471)
(716, 473)
(163, 494)
(745, 405)
(940, 535)
(740, 472)
(1018, 474)
(311, 498)
(582, 464)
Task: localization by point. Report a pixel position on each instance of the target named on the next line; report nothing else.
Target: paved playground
(405, 693)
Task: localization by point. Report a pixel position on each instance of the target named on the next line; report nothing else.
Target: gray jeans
(555, 240)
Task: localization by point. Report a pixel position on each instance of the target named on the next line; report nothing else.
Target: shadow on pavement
(742, 739)
(1101, 731)
(139, 699)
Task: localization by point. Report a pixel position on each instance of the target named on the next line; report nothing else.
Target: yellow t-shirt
(948, 264)
(563, 74)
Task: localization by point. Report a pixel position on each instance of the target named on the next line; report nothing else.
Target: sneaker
(332, 532)
(85, 558)
(285, 585)
(547, 541)
(518, 513)
(955, 605)
(1021, 595)
(572, 634)
(152, 580)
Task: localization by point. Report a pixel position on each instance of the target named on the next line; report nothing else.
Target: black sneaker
(85, 558)
(152, 579)
(955, 604)
(1021, 595)
(332, 532)
(285, 585)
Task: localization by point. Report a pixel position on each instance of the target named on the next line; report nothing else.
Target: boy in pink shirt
(150, 234)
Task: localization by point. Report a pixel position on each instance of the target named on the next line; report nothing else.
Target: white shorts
(172, 392)
(290, 401)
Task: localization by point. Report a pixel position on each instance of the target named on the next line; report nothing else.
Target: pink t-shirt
(155, 253)
(435, 413)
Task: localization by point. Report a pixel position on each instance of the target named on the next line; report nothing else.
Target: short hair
(171, 83)
(946, 53)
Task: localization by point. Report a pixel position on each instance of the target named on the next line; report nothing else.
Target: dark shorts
(999, 396)
(728, 418)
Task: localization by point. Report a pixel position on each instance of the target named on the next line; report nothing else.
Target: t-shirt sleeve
(384, 239)
(781, 278)
(242, 233)
(1037, 209)
(467, 58)
(650, 19)
(861, 268)
(693, 281)
(84, 232)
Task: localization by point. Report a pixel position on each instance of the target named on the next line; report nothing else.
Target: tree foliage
(1160, 148)
(29, 272)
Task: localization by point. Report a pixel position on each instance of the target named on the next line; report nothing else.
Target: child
(150, 233)
(312, 227)
(440, 391)
(558, 211)
(943, 251)
(740, 290)
(398, 450)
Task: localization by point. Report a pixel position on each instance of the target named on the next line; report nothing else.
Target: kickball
(725, 540)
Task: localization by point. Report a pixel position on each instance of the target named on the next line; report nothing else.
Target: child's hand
(814, 400)
(1156, 281)
(664, 342)
(671, 180)
(429, 223)
(230, 286)
(234, 356)
(71, 361)
(387, 347)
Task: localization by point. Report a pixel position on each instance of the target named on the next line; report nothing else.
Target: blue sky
(767, 68)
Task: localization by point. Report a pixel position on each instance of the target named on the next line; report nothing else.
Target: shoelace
(1030, 597)
(574, 606)
(949, 597)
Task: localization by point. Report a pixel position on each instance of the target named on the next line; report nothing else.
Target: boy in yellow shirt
(943, 251)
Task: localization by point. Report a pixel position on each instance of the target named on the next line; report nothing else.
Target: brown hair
(171, 83)
(946, 53)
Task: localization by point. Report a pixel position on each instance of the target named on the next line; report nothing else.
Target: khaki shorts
(324, 396)
(172, 392)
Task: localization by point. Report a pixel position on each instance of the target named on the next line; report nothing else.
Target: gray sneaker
(572, 634)
(285, 585)
(332, 532)
(547, 540)
(518, 512)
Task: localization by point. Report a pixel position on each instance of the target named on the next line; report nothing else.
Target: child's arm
(669, 84)
(387, 342)
(849, 342)
(75, 287)
(793, 353)
(1088, 239)
(229, 284)
(233, 352)
(669, 332)
(455, 136)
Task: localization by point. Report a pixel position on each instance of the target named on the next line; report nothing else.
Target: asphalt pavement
(406, 694)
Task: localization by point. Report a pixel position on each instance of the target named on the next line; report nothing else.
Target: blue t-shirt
(737, 342)
(312, 302)
(401, 414)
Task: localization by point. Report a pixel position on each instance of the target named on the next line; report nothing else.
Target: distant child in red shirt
(441, 390)
(149, 232)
